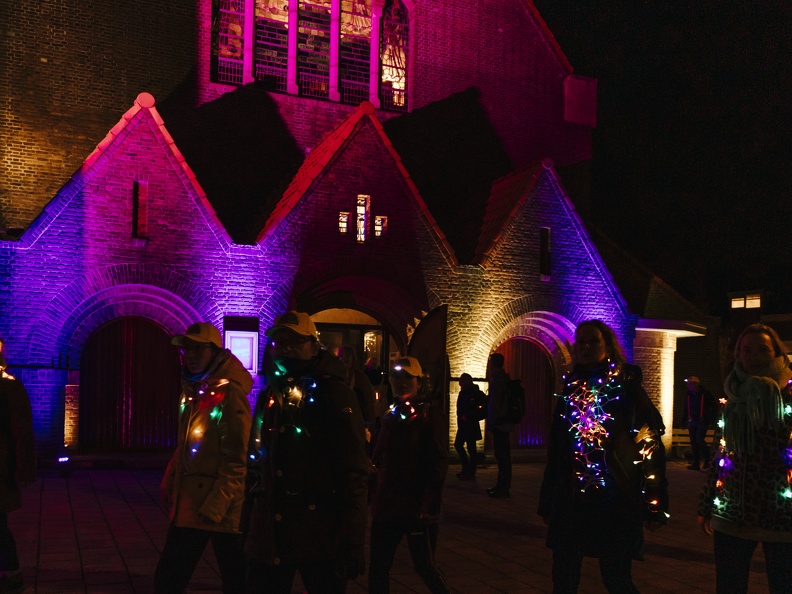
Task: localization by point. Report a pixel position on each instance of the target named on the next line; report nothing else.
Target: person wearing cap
(308, 473)
(17, 468)
(701, 411)
(411, 460)
(204, 483)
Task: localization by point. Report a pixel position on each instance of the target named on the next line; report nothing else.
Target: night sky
(692, 165)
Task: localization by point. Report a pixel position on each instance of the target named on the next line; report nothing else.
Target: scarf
(755, 404)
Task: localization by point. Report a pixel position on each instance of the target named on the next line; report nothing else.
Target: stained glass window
(272, 43)
(355, 50)
(393, 56)
(313, 48)
(230, 26)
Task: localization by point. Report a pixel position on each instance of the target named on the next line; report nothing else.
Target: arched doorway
(528, 361)
(129, 388)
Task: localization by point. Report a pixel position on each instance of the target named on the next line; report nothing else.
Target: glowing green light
(717, 501)
(787, 493)
(721, 423)
(788, 409)
(298, 430)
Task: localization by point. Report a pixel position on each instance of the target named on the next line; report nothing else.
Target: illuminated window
(380, 226)
(753, 301)
(355, 54)
(140, 209)
(393, 56)
(737, 302)
(362, 217)
(272, 43)
(313, 48)
(343, 222)
(228, 28)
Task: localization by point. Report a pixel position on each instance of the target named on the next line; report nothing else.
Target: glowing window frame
(252, 339)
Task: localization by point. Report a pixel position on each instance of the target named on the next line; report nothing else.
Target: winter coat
(749, 494)
(498, 402)
(309, 469)
(17, 451)
(598, 509)
(468, 425)
(411, 460)
(206, 474)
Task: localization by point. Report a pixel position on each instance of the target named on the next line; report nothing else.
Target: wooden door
(129, 388)
(526, 360)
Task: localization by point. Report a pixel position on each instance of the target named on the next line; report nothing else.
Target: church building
(379, 164)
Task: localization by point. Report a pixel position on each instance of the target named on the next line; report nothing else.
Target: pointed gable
(322, 157)
(144, 109)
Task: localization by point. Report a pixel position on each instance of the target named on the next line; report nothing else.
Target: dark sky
(692, 166)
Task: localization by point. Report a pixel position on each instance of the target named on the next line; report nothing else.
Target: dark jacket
(498, 402)
(17, 452)
(206, 474)
(467, 412)
(600, 508)
(411, 460)
(309, 469)
(700, 407)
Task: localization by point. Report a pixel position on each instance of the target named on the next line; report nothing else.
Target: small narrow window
(355, 50)
(544, 253)
(380, 226)
(753, 301)
(343, 222)
(362, 216)
(140, 209)
(393, 56)
(737, 302)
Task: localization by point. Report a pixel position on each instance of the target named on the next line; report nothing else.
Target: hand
(652, 526)
(706, 525)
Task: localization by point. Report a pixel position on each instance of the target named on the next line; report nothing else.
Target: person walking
(17, 469)
(308, 469)
(747, 495)
(470, 409)
(204, 483)
(701, 409)
(411, 461)
(498, 424)
(605, 476)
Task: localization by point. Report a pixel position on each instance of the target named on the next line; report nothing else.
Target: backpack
(480, 405)
(516, 401)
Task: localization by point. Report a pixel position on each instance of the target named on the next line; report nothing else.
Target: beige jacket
(205, 479)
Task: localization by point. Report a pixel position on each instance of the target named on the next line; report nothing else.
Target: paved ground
(100, 531)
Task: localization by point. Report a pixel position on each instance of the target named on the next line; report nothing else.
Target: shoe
(693, 467)
(499, 494)
(12, 584)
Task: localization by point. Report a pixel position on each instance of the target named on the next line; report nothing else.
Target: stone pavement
(101, 530)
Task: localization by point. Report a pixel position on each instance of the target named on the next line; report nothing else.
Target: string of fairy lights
(588, 402)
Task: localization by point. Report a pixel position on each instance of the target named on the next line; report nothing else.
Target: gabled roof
(142, 107)
(548, 35)
(508, 194)
(322, 156)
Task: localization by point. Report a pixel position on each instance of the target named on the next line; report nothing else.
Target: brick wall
(69, 69)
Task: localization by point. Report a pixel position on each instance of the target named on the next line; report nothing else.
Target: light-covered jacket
(206, 475)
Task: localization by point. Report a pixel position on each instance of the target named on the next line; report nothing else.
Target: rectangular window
(241, 338)
(393, 56)
(272, 43)
(313, 48)
(230, 40)
(737, 302)
(343, 222)
(355, 50)
(140, 209)
(380, 226)
(544, 253)
(753, 301)
(362, 216)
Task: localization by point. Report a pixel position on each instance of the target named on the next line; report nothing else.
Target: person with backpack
(500, 423)
(471, 408)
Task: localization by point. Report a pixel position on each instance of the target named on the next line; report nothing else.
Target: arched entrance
(129, 388)
(528, 361)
